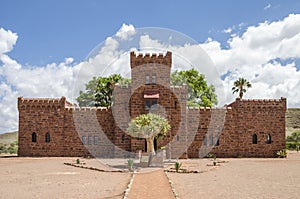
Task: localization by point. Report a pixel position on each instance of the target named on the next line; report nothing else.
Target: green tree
(87, 97)
(98, 91)
(149, 126)
(240, 86)
(199, 92)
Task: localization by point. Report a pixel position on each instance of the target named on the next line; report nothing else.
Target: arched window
(217, 143)
(254, 139)
(268, 139)
(47, 138)
(33, 137)
(204, 141)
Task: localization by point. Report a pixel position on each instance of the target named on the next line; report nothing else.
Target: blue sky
(51, 30)
(43, 45)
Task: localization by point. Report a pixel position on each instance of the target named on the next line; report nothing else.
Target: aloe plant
(130, 164)
(177, 166)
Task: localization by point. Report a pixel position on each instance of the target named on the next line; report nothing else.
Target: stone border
(126, 192)
(176, 195)
(94, 169)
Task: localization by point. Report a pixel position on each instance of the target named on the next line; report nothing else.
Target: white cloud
(7, 40)
(252, 56)
(267, 7)
(255, 55)
(126, 31)
(228, 30)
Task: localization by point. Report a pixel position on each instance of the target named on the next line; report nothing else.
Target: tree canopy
(199, 92)
(240, 86)
(149, 126)
(99, 90)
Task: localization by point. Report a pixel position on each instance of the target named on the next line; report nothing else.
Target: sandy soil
(236, 178)
(50, 178)
(241, 178)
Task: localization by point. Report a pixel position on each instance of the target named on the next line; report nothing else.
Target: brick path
(153, 184)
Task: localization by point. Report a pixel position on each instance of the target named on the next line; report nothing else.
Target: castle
(244, 128)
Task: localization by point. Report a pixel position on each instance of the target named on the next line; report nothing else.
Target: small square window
(153, 79)
(96, 140)
(83, 139)
(90, 140)
(147, 79)
(151, 104)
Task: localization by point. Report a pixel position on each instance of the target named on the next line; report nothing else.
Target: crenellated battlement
(140, 59)
(259, 103)
(204, 109)
(88, 109)
(43, 102)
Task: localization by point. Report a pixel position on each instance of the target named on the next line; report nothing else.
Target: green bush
(177, 166)
(130, 164)
(291, 145)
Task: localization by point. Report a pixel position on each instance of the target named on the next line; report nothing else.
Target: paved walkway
(154, 184)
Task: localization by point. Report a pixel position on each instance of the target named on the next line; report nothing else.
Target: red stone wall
(104, 129)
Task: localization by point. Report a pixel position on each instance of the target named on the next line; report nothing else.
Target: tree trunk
(150, 145)
(241, 92)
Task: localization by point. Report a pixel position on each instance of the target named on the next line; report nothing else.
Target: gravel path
(153, 184)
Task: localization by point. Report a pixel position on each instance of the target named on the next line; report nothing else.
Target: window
(268, 139)
(33, 137)
(90, 140)
(47, 138)
(177, 138)
(147, 79)
(254, 139)
(153, 79)
(151, 104)
(83, 140)
(96, 140)
(123, 138)
(217, 143)
(211, 140)
(204, 141)
(175, 105)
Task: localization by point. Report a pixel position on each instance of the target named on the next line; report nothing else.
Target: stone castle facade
(244, 128)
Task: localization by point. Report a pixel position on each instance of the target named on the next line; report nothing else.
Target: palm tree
(149, 126)
(240, 86)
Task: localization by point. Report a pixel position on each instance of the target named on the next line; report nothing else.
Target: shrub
(77, 161)
(210, 155)
(281, 154)
(177, 166)
(291, 145)
(130, 164)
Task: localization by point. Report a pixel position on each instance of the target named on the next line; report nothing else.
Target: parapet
(140, 59)
(43, 102)
(88, 109)
(259, 103)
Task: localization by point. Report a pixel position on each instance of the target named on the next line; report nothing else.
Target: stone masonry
(244, 128)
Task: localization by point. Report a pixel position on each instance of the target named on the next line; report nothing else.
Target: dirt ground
(241, 178)
(234, 178)
(50, 178)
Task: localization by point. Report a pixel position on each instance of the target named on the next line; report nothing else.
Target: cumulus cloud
(7, 40)
(264, 54)
(126, 31)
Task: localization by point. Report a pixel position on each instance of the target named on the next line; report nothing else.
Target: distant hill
(8, 138)
(292, 119)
